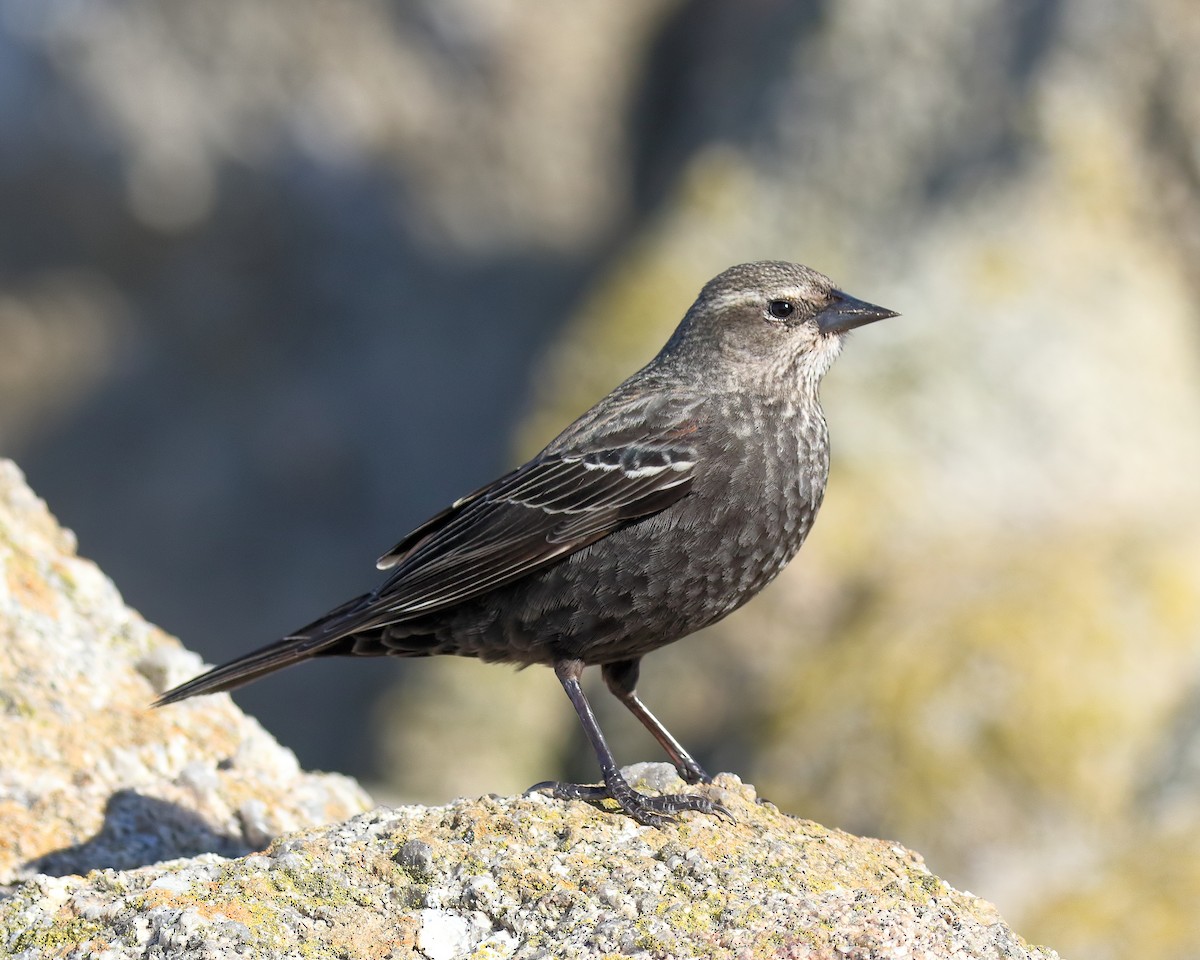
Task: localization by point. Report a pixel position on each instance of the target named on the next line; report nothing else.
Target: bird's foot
(653, 811)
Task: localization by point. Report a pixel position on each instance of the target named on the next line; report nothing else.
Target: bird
(665, 507)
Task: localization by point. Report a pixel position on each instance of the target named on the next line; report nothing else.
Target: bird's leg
(652, 811)
(622, 678)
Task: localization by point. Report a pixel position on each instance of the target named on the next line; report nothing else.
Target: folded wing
(547, 509)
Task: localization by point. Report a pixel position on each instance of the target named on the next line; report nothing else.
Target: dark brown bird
(668, 505)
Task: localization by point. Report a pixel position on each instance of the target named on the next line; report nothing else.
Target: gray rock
(92, 777)
(524, 877)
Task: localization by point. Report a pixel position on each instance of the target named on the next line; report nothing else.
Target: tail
(320, 638)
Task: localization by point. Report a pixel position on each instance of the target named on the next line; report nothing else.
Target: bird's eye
(781, 309)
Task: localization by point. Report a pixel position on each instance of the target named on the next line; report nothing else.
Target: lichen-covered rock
(92, 777)
(524, 877)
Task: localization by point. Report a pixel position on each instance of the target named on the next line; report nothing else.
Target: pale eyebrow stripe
(747, 296)
(729, 299)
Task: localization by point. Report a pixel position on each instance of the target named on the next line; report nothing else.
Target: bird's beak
(845, 313)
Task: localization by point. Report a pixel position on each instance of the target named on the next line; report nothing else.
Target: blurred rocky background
(279, 278)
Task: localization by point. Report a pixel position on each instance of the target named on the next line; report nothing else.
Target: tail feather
(278, 655)
(314, 640)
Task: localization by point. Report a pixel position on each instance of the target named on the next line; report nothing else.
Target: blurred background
(280, 278)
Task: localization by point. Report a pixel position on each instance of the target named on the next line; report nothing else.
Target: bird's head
(780, 319)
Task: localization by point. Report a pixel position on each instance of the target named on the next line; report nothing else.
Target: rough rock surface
(90, 776)
(524, 877)
(96, 783)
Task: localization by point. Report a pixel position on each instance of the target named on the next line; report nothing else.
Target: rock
(525, 877)
(92, 777)
(97, 783)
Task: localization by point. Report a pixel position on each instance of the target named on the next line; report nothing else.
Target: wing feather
(536, 515)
